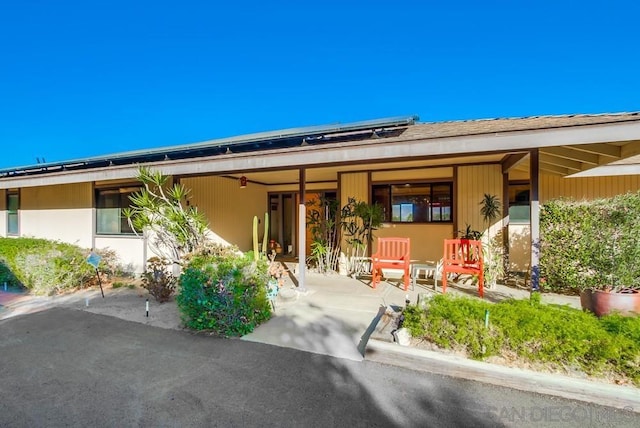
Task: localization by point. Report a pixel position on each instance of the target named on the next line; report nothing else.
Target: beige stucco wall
(61, 212)
(229, 208)
(519, 247)
(3, 212)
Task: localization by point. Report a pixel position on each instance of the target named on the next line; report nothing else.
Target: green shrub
(47, 267)
(558, 336)
(590, 244)
(224, 292)
(43, 266)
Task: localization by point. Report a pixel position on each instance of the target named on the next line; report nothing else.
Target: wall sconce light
(243, 182)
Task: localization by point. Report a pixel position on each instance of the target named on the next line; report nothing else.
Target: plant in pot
(358, 222)
(612, 280)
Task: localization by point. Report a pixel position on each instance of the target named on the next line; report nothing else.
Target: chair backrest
(393, 248)
(462, 252)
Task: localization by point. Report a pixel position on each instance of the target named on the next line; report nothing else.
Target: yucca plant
(490, 207)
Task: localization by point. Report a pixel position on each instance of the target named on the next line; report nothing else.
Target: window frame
(10, 213)
(431, 183)
(99, 191)
(514, 183)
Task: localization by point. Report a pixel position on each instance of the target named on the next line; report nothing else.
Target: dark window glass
(415, 202)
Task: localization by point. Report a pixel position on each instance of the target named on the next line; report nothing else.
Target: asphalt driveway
(64, 367)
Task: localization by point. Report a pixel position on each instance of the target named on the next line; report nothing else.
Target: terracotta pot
(626, 302)
(586, 300)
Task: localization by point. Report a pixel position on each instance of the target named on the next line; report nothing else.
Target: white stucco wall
(68, 225)
(3, 223)
(130, 249)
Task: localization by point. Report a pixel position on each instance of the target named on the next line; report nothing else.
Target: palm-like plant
(160, 211)
(490, 210)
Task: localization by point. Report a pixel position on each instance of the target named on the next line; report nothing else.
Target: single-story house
(429, 177)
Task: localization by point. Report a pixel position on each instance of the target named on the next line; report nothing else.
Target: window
(415, 202)
(109, 205)
(13, 205)
(519, 206)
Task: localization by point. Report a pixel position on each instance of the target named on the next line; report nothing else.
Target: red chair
(463, 256)
(391, 253)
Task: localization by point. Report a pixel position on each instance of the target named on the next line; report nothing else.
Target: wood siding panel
(553, 187)
(427, 240)
(60, 212)
(472, 183)
(63, 196)
(354, 185)
(294, 188)
(228, 208)
(412, 174)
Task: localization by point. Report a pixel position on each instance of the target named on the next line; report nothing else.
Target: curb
(616, 396)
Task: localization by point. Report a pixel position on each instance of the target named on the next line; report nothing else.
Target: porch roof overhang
(566, 147)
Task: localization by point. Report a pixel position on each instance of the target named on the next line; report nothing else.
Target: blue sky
(82, 78)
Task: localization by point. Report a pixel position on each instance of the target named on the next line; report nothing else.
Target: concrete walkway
(337, 315)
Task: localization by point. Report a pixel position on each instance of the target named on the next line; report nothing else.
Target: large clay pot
(626, 302)
(586, 301)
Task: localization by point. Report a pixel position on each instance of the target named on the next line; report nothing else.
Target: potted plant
(609, 251)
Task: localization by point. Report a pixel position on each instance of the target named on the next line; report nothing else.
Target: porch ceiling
(329, 174)
(583, 160)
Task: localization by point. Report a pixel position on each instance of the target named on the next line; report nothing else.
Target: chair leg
(481, 284)
(444, 282)
(406, 279)
(374, 277)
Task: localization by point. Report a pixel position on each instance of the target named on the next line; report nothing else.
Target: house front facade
(428, 177)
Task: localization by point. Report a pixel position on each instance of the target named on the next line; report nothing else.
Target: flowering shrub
(158, 280)
(224, 292)
(277, 270)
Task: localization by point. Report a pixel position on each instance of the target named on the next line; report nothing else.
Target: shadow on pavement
(70, 367)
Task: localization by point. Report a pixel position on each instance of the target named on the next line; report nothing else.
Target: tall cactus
(266, 233)
(256, 255)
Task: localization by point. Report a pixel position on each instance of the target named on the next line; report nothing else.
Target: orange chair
(463, 256)
(391, 253)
